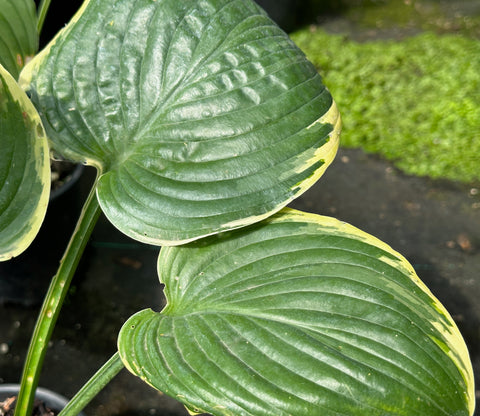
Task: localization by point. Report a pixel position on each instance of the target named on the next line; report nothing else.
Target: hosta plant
(204, 121)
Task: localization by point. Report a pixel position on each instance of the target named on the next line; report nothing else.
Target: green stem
(42, 13)
(99, 380)
(52, 304)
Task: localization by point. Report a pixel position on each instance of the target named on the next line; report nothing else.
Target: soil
(62, 173)
(7, 408)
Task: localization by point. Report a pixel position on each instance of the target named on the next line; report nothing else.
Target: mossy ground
(415, 100)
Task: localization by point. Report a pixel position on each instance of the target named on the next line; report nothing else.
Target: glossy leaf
(202, 115)
(299, 315)
(18, 34)
(24, 169)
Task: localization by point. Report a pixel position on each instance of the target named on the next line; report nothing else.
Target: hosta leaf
(202, 115)
(299, 315)
(18, 34)
(24, 169)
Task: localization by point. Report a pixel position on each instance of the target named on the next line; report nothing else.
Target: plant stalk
(99, 380)
(42, 14)
(52, 304)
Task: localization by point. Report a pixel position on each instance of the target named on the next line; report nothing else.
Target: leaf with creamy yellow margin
(201, 116)
(299, 315)
(24, 169)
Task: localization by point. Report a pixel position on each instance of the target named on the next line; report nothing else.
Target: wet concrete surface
(434, 224)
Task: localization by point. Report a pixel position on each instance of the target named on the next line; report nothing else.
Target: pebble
(4, 348)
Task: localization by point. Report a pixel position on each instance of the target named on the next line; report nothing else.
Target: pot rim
(51, 398)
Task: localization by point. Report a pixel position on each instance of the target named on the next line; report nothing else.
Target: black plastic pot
(50, 399)
(71, 174)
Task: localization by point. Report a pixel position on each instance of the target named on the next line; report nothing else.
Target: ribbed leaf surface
(18, 34)
(24, 169)
(202, 115)
(299, 315)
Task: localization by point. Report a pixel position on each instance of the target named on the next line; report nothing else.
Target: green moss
(417, 101)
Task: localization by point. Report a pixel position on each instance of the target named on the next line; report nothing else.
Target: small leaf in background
(299, 315)
(24, 169)
(202, 116)
(18, 34)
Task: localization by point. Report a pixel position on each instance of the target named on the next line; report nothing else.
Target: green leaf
(24, 169)
(299, 315)
(202, 116)
(18, 34)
